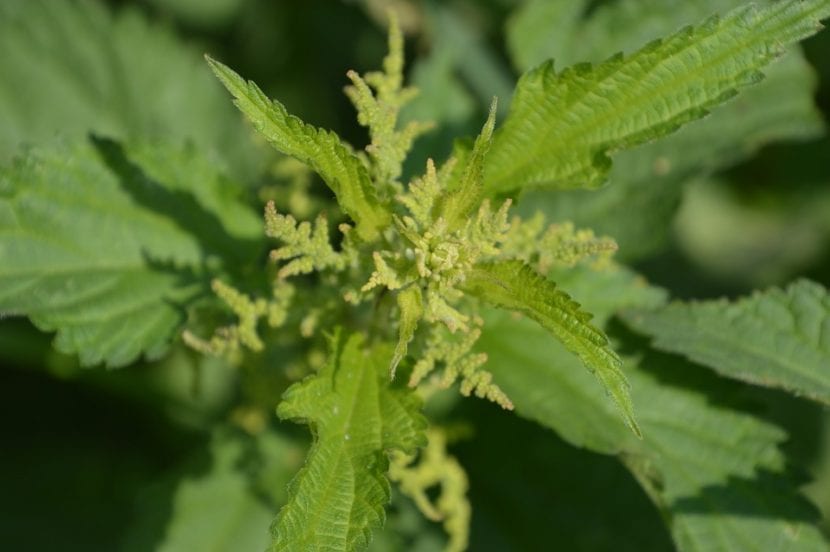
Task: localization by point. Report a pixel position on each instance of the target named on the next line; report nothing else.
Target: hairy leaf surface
(776, 338)
(513, 285)
(562, 127)
(320, 149)
(356, 417)
(715, 472)
(648, 179)
(106, 244)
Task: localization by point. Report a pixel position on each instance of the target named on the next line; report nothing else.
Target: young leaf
(513, 285)
(716, 473)
(106, 244)
(320, 149)
(411, 305)
(464, 196)
(356, 417)
(562, 127)
(778, 338)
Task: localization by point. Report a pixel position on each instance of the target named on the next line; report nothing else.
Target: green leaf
(107, 244)
(115, 74)
(650, 179)
(322, 150)
(356, 417)
(716, 473)
(515, 286)
(411, 306)
(465, 195)
(562, 127)
(777, 338)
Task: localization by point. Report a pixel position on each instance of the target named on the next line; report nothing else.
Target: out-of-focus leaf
(106, 244)
(751, 244)
(776, 338)
(223, 499)
(73, 67)
(716, 473)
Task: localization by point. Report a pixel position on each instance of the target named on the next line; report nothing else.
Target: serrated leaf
(105, 68)
(464, 195)
(716, 473)
(515, 286)
(411, 305)
(649, 179)
(320, 149)
(777, 338)
(562, 127)
(356, 417)
(106, 244)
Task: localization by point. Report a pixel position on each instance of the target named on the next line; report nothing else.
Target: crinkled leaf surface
(562, 127)
(513, 285)
(356, 417)
(73, 67)
(322, 150)
(714, 471)
(105, 244)
(776, 338)
(648, 179)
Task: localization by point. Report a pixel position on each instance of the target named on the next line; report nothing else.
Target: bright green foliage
(513, 285)
(411, 306)
(562, 127)
(716, 473)
(464, 196)
(322, 150)
(106, 244)
(435, 467)
(356, 417)
(648, 179)
(113, 246)
(776, 338)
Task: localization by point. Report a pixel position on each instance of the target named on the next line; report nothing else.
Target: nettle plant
(431, 283)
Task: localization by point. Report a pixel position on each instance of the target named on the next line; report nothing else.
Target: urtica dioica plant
(375, 312)
(398, 290)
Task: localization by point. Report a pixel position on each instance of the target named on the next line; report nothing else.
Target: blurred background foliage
(185, 453)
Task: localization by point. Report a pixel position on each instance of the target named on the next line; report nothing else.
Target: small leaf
(356, 417)
(513, 285)
(464, 196)
(562, 127)
(411, 305)
(322, 150)
(778, 338)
